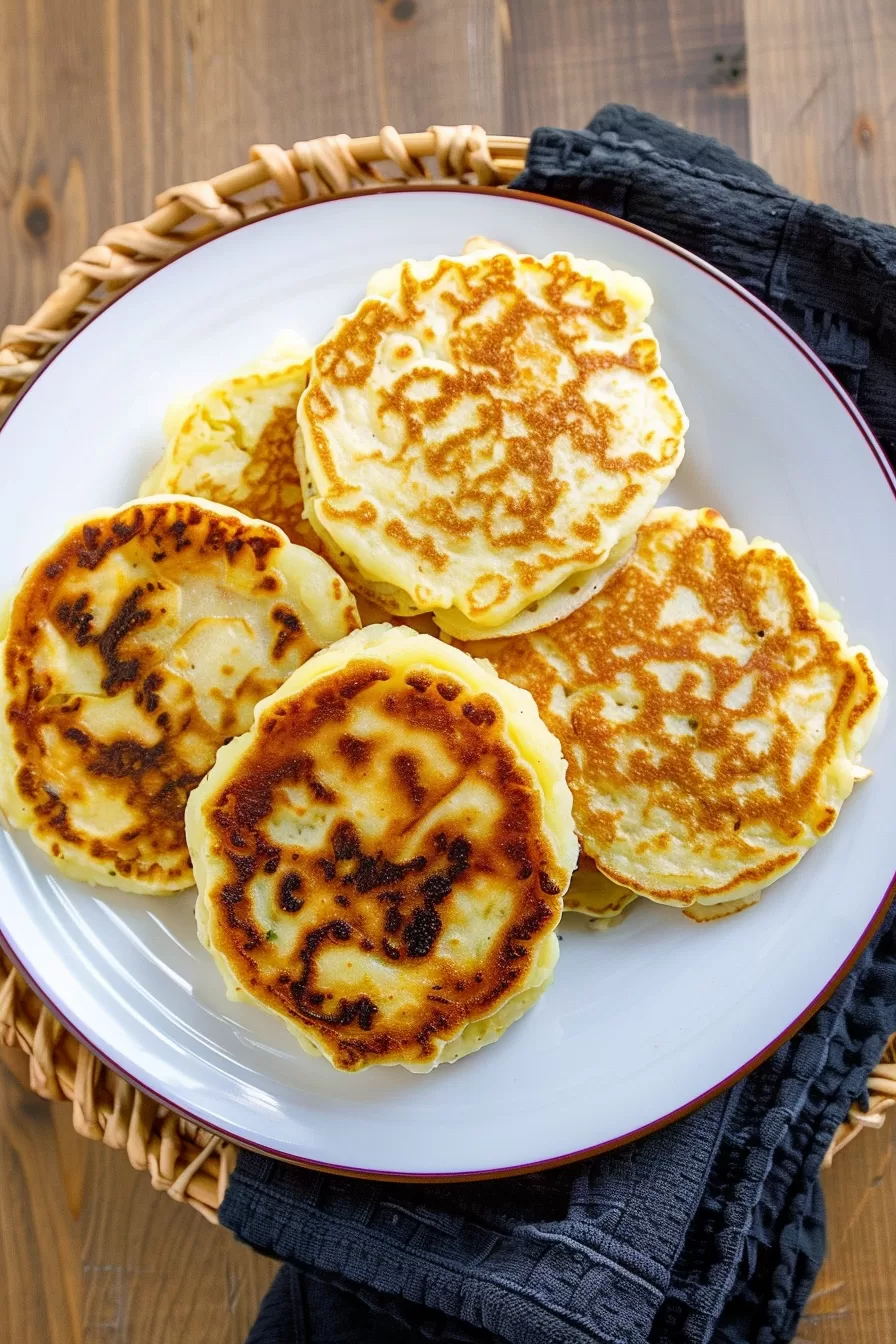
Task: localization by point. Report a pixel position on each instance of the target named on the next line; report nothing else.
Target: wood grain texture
(44, 219)
(438, 64)
(91, 1254)
(683, 59)
(105, 102)
(822, 105)
(39, 1261)
(855, 1298)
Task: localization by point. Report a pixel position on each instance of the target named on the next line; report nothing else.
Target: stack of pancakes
(562, 696)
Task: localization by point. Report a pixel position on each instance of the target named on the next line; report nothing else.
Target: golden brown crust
(705, 709)
(501, 510)
(100, 679)
(233, 443)
(442, 902)
(269, 487)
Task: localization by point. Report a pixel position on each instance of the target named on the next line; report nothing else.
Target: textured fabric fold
(711, 1230)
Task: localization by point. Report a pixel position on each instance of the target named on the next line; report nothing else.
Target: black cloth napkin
(712, 1229)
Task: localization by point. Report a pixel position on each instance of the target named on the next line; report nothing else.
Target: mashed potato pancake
(485, 432)
(381, 860)
(711, 712)
(605, 903)
(234, 442)
(594, 895)
(135, 646)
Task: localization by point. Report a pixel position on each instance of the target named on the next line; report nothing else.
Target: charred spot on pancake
(393, 920)
(286, 894)
(95, 547)
(517, 851)
(459, 851)
(126, 757)
(408, 775)
(421, 931)
(356, 750)
(359, 681)
(309, 1001)
(130, 615)
(480, 711)
(261, 548)
(292, 628)
(374, 885)
(148, 696)
(178, 530)
(126, 721)
(76, 617)
(375, 871)
(345, 841)
(436, 887)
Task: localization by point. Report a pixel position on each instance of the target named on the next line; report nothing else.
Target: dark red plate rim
(33, 979)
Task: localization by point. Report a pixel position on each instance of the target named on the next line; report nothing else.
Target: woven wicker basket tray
(192, 1164)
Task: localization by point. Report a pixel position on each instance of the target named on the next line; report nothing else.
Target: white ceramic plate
(642, 1021)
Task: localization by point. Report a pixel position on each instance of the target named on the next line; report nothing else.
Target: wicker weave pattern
(273, 178)
(192, 1164)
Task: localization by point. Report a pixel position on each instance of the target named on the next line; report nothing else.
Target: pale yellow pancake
(381, 860)
(234, 442)
(712, 713)
(483, 435)
(592, 894)
(605, 903)
(135, 646)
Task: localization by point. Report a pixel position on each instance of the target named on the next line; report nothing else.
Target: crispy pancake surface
(381, 860)
(135, 646)
(485, 429)
(234, 443)
(711, 713)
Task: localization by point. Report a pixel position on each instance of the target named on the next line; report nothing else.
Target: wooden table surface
(103, 103)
